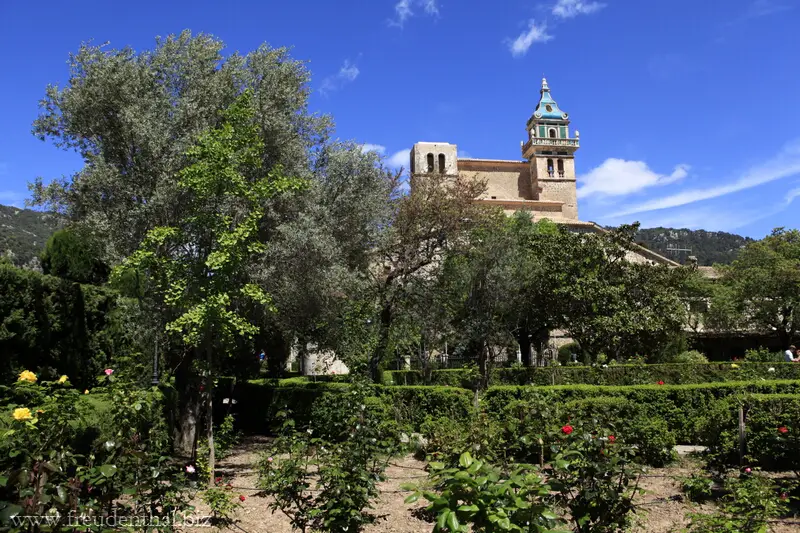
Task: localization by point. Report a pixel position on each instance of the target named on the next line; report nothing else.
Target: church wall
(561, 191)
(510, 181)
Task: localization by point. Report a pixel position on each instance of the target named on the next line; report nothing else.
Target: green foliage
(566, 352)
(477, 496)
(760, 290)
(74, 256)
(445, 438)
(51, 464)
(750, 501)
(690, 357)
(328, 486)
(57, 327)
(222, 502)
(698, 487)
(593, 472)
(772, 424)
(225, 438)
(614, 374)
(763, 355)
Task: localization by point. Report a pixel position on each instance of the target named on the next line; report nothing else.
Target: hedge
(682, 407)
(673, 373)
(772, 431)
(53, 326)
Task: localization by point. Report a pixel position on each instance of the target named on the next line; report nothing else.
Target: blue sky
(687, 109)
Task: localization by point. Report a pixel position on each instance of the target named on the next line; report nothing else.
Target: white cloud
(401, 159)
(617, 177)
(347, 74)
(783, 165)
(566, 9)
(404, 10)
(377, 148)
(536, 33)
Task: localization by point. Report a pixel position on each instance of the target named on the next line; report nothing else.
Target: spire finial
(544, 84)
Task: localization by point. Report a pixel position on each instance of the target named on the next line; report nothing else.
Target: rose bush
(54, 463)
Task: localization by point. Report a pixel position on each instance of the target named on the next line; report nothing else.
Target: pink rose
(109, 371)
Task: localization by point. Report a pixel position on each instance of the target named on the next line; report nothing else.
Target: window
(430, 163)
(552, 133)
(441, 164)
(550, 168)
(560, 168)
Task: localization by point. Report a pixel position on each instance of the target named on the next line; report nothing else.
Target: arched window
(552, 133)
(560, 168)
(430, 163)
(441, 164)
(550, 168)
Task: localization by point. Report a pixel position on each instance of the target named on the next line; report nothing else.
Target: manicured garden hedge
(682, 407)
(772, 431)
(674, 373)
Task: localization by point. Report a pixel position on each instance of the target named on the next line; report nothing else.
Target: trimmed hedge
(682, 407)
(671, 373)
(258, 401)
(772, 431)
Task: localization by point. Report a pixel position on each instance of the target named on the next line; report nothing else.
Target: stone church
(543, 182)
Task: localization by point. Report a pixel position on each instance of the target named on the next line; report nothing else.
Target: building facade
(543, 182)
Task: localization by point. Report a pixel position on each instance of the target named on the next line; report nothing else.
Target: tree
(75, 257)
(761, 289)
(133, 116)
(319, 257)
(198, 269)
(614, 306)
(435, 218)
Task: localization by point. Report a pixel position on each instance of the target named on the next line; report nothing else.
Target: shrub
(749, 503)
(772, 425)
(566, 351)
(612, 374)
(594, 473)
(477, 496)
(328, 486)
(48, 466)
(763, 355)
(691, 356)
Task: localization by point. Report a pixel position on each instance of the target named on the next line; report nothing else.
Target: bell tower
(551, 153)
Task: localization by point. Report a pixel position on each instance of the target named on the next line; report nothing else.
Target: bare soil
(661, 509)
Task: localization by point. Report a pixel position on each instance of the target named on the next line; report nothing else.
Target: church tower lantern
(551, 151)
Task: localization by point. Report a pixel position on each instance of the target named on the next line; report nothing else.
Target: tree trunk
(383, 344)
(210, 415)
(187, 408)
(524, 341)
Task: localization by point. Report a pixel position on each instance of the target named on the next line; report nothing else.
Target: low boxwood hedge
(672, 373)
(682, 407)
(772, 431)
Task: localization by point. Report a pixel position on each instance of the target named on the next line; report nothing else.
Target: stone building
(543, 182)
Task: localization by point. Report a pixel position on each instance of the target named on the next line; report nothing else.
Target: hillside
(24, 232)
(708, 246)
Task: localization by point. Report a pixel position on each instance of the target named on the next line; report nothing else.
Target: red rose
(242, 497)
(660, 382)
(783, 429)
(202, 388)
(217, 480)
(566, 430)
(611, 438)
